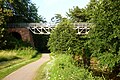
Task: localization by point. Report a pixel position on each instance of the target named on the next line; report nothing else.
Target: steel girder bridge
(39, 28)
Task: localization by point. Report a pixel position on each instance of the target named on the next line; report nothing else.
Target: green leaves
(105, 36)
(77, 15)
(63, 38)
(57, 18)
(24, 11)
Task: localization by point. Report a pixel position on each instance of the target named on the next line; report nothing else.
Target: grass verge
(62, 67)
(41, 74)
(43, 70)
(11, 60)
(5, 71)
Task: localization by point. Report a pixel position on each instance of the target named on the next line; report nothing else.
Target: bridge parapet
(39, 28)
(23, 25)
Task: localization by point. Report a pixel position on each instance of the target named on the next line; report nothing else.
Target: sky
(48, 8)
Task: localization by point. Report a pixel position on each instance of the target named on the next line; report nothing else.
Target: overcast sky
(48, 8)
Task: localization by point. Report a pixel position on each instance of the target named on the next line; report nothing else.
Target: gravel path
(28, 72)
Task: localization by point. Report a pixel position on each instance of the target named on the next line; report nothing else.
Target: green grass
(7, 55)
(11, 60)
(62, 67)
(26, 52)
(4, 72)
(41, 73)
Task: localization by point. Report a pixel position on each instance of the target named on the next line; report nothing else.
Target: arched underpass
(16, 35)
(40, 43)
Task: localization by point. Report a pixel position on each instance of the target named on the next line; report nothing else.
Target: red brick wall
(24, 32)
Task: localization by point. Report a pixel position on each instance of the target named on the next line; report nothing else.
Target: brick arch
(16, 35)
(24, 32)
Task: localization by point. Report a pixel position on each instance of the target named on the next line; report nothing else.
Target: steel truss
(38, 28)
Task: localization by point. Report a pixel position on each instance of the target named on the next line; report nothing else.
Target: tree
(57, 18)
(15, 11)
(77, 15)
(105, 35)
(5, 13)
(5, 10)
(63, 38)
(89, 10)
(25, 11)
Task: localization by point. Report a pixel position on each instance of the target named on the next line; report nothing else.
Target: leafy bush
(104, 40)
(63, 38)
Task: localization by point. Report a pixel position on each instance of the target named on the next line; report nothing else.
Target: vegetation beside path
(11, 60)
(63, 67)
(41, 73)
(99, 51)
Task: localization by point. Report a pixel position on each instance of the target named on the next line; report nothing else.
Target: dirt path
(28, 72)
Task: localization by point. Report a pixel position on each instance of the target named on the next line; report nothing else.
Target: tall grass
(7, 55)
(62, 67)
(26, 52)
(10, 60)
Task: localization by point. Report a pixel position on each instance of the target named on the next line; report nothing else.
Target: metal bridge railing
(39, 28)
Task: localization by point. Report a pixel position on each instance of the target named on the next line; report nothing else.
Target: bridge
(38, 28)
(24, 30)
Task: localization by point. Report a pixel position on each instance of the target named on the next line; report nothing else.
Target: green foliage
(57, 18)
(5, 13)
(26, 52)
(2, 36)
(109, 60)
(12, 43)
(105, 34)
(77, 15)
(63, 68)
(24, 11)
(41, 73)
(89, 10)
(63, 38)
